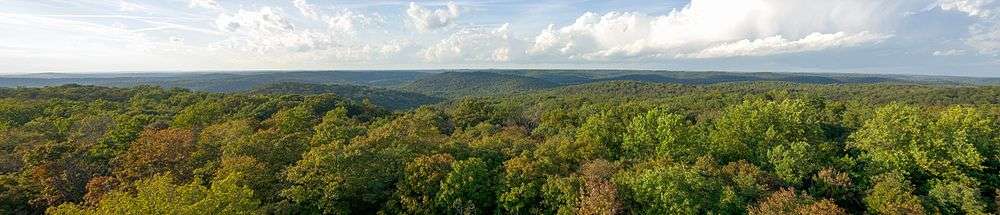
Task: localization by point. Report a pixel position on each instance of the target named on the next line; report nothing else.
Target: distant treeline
(457, 83)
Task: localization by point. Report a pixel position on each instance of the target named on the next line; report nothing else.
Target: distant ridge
(458, 84)
(220, 82)
(391, 99)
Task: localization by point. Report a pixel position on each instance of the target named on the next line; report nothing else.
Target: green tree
(160, 151)
(749, 130)
(470, 112)
(419, 188)
(159, 195)
(468, 188)
(14, 113)
(199, 114)
(952, 145)
(116, 141)
(893, 194)
(336, 127)
(16, 193)
(885, 140)
(254, 174)
(561, 194)
(661, 132)
(786, 137)
(362, 176)
(336, 180)
(602, 131)
(522, 182)
(671, 189)
(293, 120)
(959, 142)
(796, 162)
(956, 197)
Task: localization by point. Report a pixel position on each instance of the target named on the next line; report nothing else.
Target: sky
(922, 37)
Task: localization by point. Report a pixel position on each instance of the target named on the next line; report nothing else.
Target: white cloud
(307, 10)
(302, 33)
(342, 21)
(474, 45)
(716, 27)
(267, 30)
(207, 4)
(592, 34)
(950, 52)
(977, 8)
(424, 19)
(86, 45)
(125, 6)
(985, 37)
(349, 22)
(265, 19)
(779, 45)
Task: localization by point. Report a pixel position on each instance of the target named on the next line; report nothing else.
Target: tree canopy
(603, 148)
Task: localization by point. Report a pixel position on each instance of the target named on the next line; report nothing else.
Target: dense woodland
(615, 147)
(457, 83)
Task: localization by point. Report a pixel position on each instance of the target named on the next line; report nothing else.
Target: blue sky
(925, 37)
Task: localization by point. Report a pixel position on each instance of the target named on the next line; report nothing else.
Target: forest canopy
(605, 148)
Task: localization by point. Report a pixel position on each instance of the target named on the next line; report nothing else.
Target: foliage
(460, 84)
(468, 188)
(391, 99)
(893, 194)
(159, 195)
(600, 148)
(787, 201)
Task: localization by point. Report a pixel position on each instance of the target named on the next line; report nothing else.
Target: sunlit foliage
(605, 148)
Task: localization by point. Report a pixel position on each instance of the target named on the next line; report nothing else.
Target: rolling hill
(390, 99)
(216, 82)
(459, 84)
(915, 93)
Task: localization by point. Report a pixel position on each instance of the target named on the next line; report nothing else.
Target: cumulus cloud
(779, 45)
(721, 28)
(349, 22)
(592, 34)
(425, 19)
(265, 19)
(305, 34)
(474, 45)
(984, 35)
(342, 21)
(977, 8)
(307, 10)
(207, 4)
(267, 29)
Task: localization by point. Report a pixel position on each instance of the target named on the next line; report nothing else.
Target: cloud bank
(721, 28)
(332, 34)
(425, 19)
(206, 4)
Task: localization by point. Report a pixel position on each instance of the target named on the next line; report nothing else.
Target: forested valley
(612, 147)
